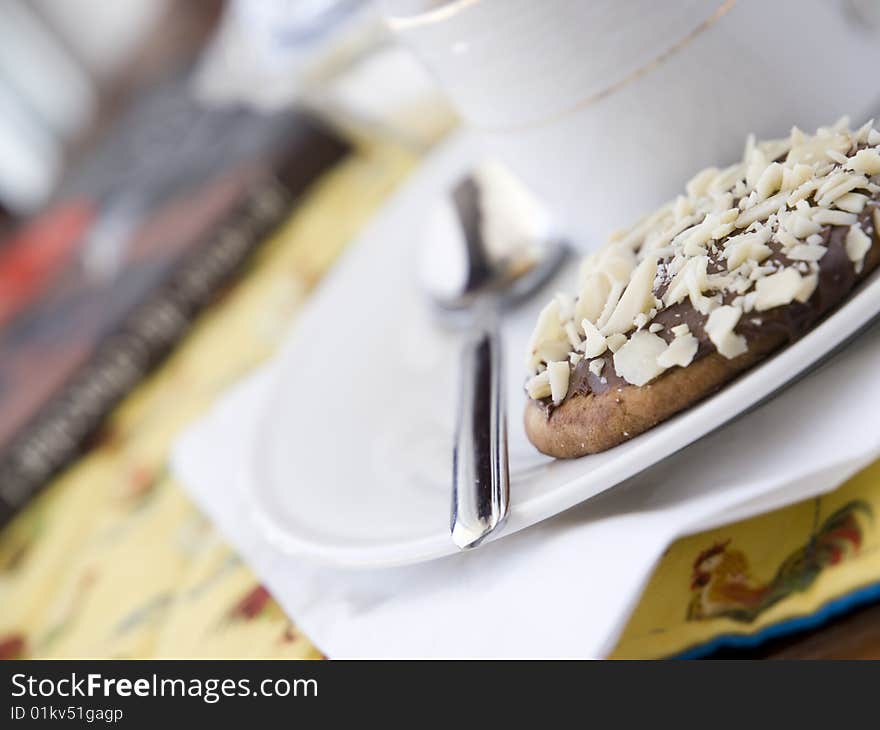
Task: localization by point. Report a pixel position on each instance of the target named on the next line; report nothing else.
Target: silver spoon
(495, 250)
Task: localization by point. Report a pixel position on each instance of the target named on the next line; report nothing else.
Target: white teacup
(605, 108)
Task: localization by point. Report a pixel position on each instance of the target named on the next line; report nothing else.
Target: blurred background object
(335, 57)
(59, 73)
(68, 66)
(134, 136)
(129, 197)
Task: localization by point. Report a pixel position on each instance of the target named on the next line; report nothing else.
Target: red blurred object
(38, 251)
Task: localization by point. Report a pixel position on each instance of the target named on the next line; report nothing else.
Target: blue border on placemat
(832, 609)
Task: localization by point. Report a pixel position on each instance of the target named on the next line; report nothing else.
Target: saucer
(350, 461)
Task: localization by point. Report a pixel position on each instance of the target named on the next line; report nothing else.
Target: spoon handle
(480, 478)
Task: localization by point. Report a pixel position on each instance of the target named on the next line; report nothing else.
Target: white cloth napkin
(563, 588)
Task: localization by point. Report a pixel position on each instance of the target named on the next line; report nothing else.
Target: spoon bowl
(493, 247)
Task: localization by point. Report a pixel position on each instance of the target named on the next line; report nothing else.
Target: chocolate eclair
(746, 261)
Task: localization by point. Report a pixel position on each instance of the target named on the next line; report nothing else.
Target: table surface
(855, 635)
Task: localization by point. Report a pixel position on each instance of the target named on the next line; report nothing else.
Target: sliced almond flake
(749, 201)
(841, 125)
(831, 181)
(595, 343)
(746, 246)
(863, 132)
(802, 192)
(717, 282)
(548, 338)
(723, 202)
(834, 217)
(728, 178)
(566, 305)
(777, 289)
(680, 352)
(796, 137)
(665, 238)
(761, 210)
(815, 149)
(794, 177)
(615, 342)
(617, 264)
(551, 351)
(683, 208)
(699, 183)
(617, 288)
(675, 265)
(727, 222)
(720, 328)
(572, 334)
(756, 163)
(697, 281)
(830, 195)
(775, 148)
(770, 181)
(851, 202)
(558, 375)
(695, 238)
(759, 272)
(858, 243)
(807, 288)
(655, 328)
(741, 283)
(806, 252)
(680, 329)
(637, 298)
(865, 161)
(786, 239)
(751, 143)
(596, 366)
(538, 386)
(678, 287)
(595, 289)
(631, 239)
(636, 362)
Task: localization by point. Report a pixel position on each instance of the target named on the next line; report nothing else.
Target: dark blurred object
(855, 634)
(96, 289)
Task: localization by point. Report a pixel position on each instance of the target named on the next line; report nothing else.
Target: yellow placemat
(113, 560)
(761, 575)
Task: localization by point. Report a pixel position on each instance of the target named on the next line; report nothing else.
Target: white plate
(351, 458)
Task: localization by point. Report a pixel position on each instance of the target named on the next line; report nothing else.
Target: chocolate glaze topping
(837, 278)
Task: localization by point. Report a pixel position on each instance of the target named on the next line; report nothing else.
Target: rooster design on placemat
(722, 584)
